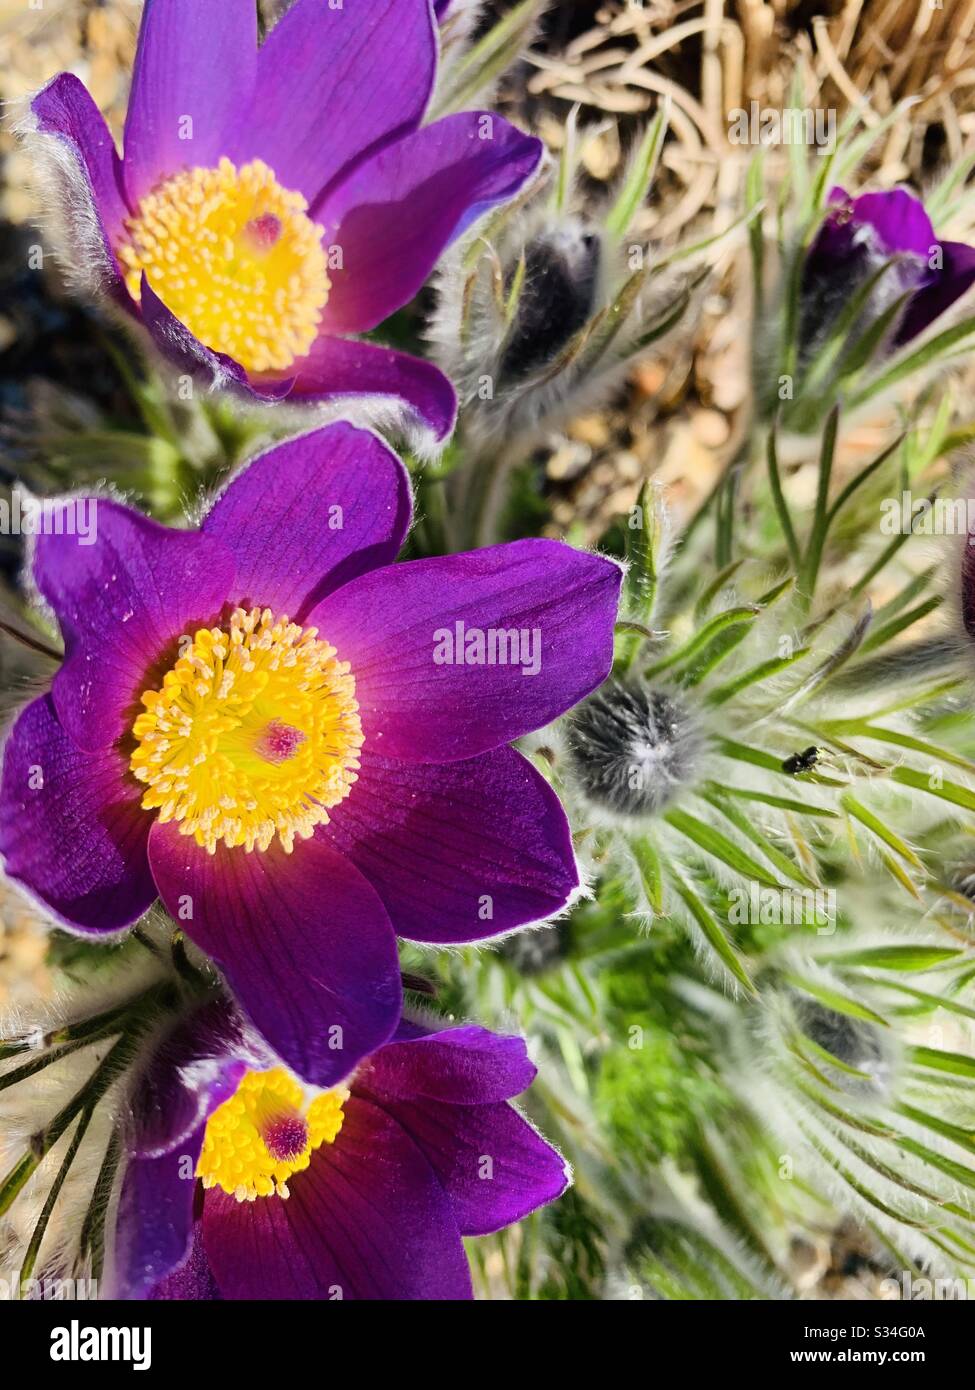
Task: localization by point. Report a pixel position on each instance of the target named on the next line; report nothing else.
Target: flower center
(264, 1133)
(235, 257)
(254, 733)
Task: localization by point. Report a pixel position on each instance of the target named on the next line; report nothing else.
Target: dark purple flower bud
(856, 239)
(559, 295)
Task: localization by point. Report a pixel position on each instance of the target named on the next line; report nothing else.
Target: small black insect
(801, 762)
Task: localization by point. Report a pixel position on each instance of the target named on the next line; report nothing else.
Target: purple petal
(468, 1065)
(414, 634)
(122, 602)
(457, 851)
(184, 350)
(311, 514)
(193, 1068)
(193, 79)
(154, 1230)
(341, 368)
(192, 1281)
(898, 221)
(334, 82)
(493, 1165)
(368, 1219)
(955, 277)
(65, 109)
(215, 370)
(859, 234)
(440, 7)
(71, 827)
(417, 195)
(303, 940)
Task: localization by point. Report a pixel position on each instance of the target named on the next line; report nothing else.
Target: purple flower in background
(363, 1191)
(856, 238)
(271, 202)
(299, 746)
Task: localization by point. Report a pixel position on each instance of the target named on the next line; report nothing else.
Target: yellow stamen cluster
(254, 733)
(265, 1133)
(236, 258)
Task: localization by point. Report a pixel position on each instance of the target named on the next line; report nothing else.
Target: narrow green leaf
(814, 550)
(489, 57)
(907, 363)
(713, 841)
(934, 1058)
(965, 1138)
(730, 617)
(957, 1171)
(651, 876)
(896, 957)
(639, 177)
(782, 803)
(747, 827)
(778, 497)
(765, 670)
(922, 782)
(935, 1001)
(836, 1000)
(713, 932)
(883, 832)
(896, 626)
(864, 729)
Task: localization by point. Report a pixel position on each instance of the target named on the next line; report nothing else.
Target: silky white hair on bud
(69, 216)
(632, 748)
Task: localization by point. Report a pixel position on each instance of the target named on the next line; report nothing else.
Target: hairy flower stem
(35, 644)
(92, 1240)
(40, 1230)
(112, 1066)
(47, 1059)
(490, 497)
(84, 1031)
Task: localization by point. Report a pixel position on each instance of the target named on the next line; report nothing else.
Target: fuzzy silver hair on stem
(633, 748)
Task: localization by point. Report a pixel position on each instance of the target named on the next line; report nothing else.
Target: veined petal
(457, 851)
(154, 1229)
(122, 603)
(310, 514)
(467, 1065)
(368, 1219)
(344, 369)
(333, 83)
(493, 1165)
(304, 941)
(417, 194)
(193, 79)
(71, 827)
(460, 654)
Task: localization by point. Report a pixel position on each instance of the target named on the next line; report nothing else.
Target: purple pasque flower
(298, 745)
(273, 201)
(857, 236)
(363, 1191)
